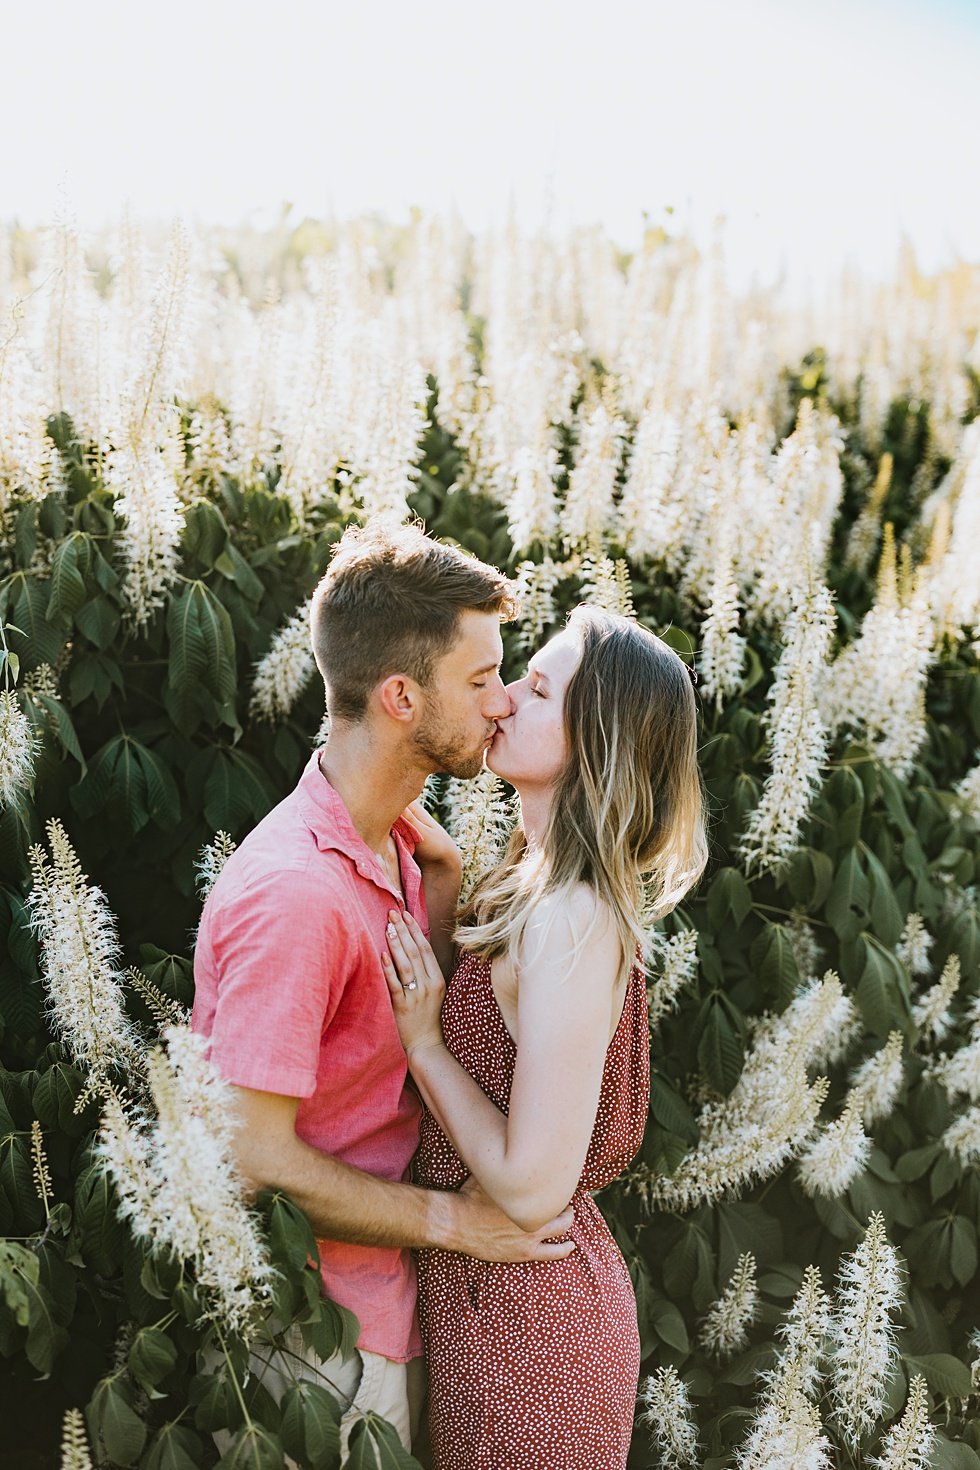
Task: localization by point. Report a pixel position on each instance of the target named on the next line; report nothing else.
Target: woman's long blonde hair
(628, 812)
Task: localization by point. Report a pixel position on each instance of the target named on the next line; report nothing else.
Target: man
(289, 984)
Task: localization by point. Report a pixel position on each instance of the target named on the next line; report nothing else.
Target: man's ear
(399, 697)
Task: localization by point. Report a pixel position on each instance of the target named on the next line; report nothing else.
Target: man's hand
(487, 1233)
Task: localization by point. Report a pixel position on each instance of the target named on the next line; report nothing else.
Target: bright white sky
(821, 129)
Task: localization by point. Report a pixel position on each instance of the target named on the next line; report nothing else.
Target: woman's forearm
(478, 1132)
(441, 883)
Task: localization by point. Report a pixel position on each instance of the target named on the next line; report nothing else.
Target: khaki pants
(365, 1383)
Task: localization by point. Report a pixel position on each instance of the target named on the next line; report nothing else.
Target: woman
(536, 1079)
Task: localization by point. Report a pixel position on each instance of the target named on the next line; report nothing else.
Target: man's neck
(375, 784)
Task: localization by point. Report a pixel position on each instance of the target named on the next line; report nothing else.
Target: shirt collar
(330, 822)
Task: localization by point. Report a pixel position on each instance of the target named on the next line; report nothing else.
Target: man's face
(464, 700)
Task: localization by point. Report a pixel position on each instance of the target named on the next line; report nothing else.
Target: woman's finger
(406, 939)
(427, 953)
(404, 967)
(395, 986)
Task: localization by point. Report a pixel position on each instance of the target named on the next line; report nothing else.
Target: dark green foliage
(149, 746)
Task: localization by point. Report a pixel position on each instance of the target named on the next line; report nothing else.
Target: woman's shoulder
(571, 917)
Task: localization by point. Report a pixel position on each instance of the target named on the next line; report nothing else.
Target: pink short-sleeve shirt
(290, 992)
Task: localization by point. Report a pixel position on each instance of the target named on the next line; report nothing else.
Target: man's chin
(465, 770)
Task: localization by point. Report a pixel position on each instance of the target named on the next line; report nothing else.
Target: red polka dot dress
(534, 1366)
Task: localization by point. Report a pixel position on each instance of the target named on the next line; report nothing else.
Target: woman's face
(529, 748)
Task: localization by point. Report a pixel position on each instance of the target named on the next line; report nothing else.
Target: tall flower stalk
(178, 1185)
(80, 955)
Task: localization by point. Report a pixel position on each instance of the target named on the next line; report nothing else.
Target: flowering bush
(178, 453)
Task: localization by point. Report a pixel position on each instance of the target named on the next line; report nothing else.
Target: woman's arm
(530, 1161)
(438, 858)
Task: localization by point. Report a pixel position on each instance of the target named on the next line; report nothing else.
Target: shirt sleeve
(279, 965)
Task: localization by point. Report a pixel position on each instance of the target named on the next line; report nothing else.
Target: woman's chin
(494, 761)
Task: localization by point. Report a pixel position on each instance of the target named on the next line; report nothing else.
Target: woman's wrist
(415, 1051)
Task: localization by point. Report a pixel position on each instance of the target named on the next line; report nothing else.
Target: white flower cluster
(798, 735)
(605, 582)
(836, 1156)
(863, 1347)
(479, 819)
(878, 1080)
(588, 510)
(721, 658)
(803, 942)
(968, 795)
(962, 1136)
(878, 684)
(74, 1442)
(771, 1112)
(210, 861)
(672, 961)
(666, 1411)
(959, 1071)
(80, 955)
(16, 750)
(725, 1328)
(177, 1182)
(914, 945)
(931, 1012)
(535, 584)
(953, 586)
(908, 1443)
(284, 670)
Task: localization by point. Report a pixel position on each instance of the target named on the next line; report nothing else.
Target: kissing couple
(441, 1088)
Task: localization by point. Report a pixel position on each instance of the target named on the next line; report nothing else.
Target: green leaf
(328, 1328)
(97, 1225)
(670, 1109)
(894, 799)
(946, 1455)
(234, 566)
(882, 993)
(943, 1373)
(845, 793)
(292, 1243)
(62, 723)
(670, 1325)
(113, 1420)
(847, 903)
(746, 1226)
(748, 1366)
(720, 1055)
(41, 641)
(729, 894)
(917, 1161)
(67, 591)
(46, 1337)
(217, 1405)
(253, 1448)
(132, 782)
(311, 1425)
(374, 1445)
(202, 642)
(205, 531)
(152, 1356)
(19, 1269)
(963, 1250)
(237, 791)
(99, 620)
(886, 916)
(174, 1447)
(774, 963)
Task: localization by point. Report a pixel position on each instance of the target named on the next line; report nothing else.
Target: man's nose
(501, 705)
